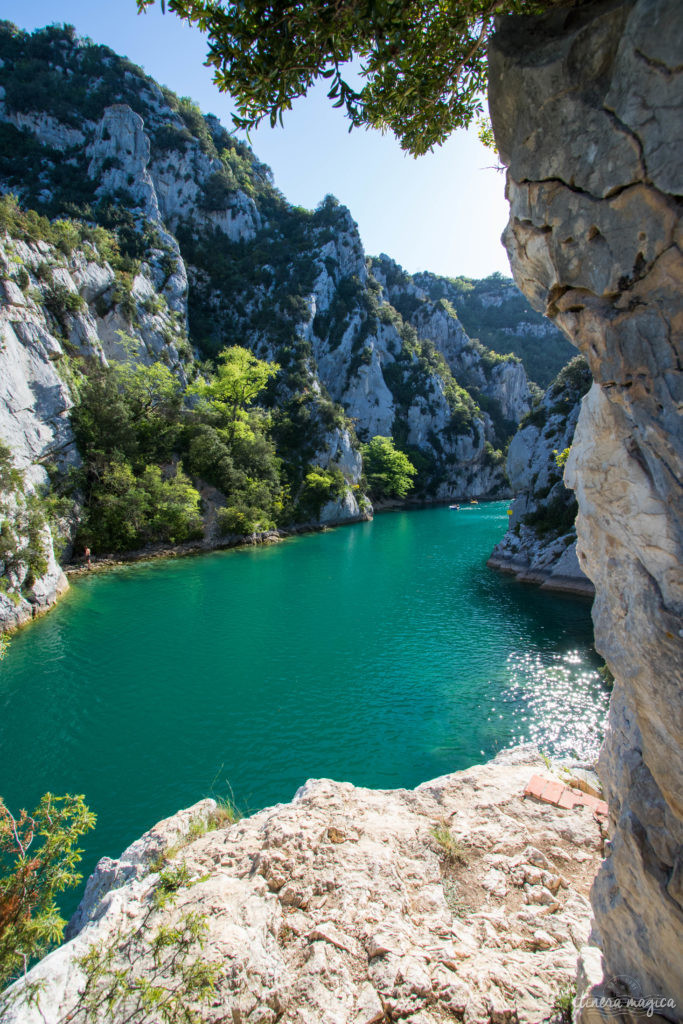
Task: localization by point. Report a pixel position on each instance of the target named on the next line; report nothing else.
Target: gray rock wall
(540, 543)
(35, 376)
(586, 108)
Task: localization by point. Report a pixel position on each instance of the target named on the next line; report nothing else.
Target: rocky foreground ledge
(460, 899)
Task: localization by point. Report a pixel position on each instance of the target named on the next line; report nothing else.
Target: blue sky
(442, 212)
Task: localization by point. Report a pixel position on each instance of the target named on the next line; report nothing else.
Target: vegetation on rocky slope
(493, 310)
(38, 858)
(199, 254)
(541, 538)
(25, 515)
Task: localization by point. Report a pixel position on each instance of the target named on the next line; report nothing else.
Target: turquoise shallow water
(384, 653)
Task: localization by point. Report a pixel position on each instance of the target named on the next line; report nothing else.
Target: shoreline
(103, 563)
(109, 562)
(542, 578)
(73, 570)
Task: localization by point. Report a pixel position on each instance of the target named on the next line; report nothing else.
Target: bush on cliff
(38, 857)
(389, 471)
(23, 547)
(128, 510)
(132, 428)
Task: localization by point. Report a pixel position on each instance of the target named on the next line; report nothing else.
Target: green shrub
(563, 1004)
(123, 299)
(196, 123)
(23, 540)
(389, 471)
(319, 487)
(23, 280)
(243, 521)
(451, 849)
(61, 302)
(38, 857)
(127, 511)
(561, 457)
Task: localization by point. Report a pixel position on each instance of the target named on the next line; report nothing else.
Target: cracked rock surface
(343, 907)
(586, 107)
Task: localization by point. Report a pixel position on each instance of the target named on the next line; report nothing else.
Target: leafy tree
(319, 487)
(154, 398)
(23, 541)
(423, 62)
(102, 419)
(389, 471)
(38, 858)
(126, 510)
(239, 379)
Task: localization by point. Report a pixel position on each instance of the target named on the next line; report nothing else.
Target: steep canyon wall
(586, 108)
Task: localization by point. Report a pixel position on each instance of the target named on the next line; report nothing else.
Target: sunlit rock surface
(346, 907)
(586, 107)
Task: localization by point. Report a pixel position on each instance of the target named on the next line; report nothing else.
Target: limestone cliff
(200, 251)
(540, 544)
(461, 899)
(89, 135)
(586, 106)
(53, 307)
(64, 310)
(493, 310)
(497, 381)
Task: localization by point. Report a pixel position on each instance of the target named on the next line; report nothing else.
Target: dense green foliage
(127, 423)
(38, 858)
(23, 541)
(423, 63)
(131, 426)
(240, 377)
(141, 435)
(389, 471)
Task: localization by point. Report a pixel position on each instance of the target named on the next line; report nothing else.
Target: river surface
(383, 653)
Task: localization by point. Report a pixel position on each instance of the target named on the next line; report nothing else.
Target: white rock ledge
(338, 908)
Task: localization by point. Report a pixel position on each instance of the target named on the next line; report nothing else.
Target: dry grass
(451, 849)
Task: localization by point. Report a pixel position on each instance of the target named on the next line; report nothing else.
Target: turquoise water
(383, 653)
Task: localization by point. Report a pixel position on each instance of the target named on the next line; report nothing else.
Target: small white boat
(454, 506)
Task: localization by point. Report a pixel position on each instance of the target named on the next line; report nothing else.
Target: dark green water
(384, 653)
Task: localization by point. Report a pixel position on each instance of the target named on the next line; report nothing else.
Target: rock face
(540, 544)
(494, 310)
(204, 252)
(460, 899)
(500, 378)
(291, 284)
(53, 307)
(594, 184)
